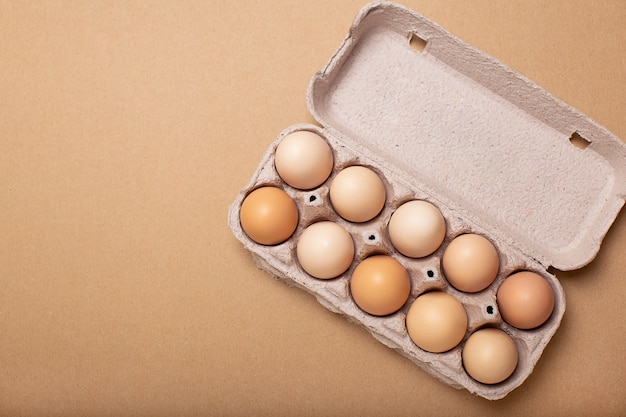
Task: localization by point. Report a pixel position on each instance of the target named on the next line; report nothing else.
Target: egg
(303, 159)
(380, 285)
(436, 321)
(357, 194)
(325, 250)
(525, 300)
(490, 356)
(417, 228)
(470, 263)
(268, 215)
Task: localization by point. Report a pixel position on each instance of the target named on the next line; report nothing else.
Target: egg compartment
(450, 125)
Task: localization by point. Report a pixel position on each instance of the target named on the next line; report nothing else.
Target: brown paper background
(126, 130)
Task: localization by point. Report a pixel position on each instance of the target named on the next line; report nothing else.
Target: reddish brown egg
(525, 300)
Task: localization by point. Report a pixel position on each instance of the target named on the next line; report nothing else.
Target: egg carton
(440, 121)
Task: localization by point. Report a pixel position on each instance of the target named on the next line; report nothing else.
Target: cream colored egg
(490, 356)
(436, 321)
(417, 228)
(303, 159)
(357, 194)
(325, 250)
(470, 263)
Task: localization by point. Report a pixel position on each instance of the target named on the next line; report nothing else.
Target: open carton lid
(474, 134)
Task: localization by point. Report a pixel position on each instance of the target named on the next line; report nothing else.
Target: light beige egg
(436, 321)
(303, 159)
(490, 356)
(417, 228)
(325, 250)
(470, 263)
(357, 194)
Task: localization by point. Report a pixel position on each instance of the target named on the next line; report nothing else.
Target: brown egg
(525, 300)
(490, 356)
(357, 194)
(436, 321)
(325, 250)
(380, 285)
(268, 215)
(470, 263)
(303, 159)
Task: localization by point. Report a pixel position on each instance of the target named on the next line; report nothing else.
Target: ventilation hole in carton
(430, 273)
(313, 199)
(416, 42)
(578, 141)
(371, 237)
(489, 309)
